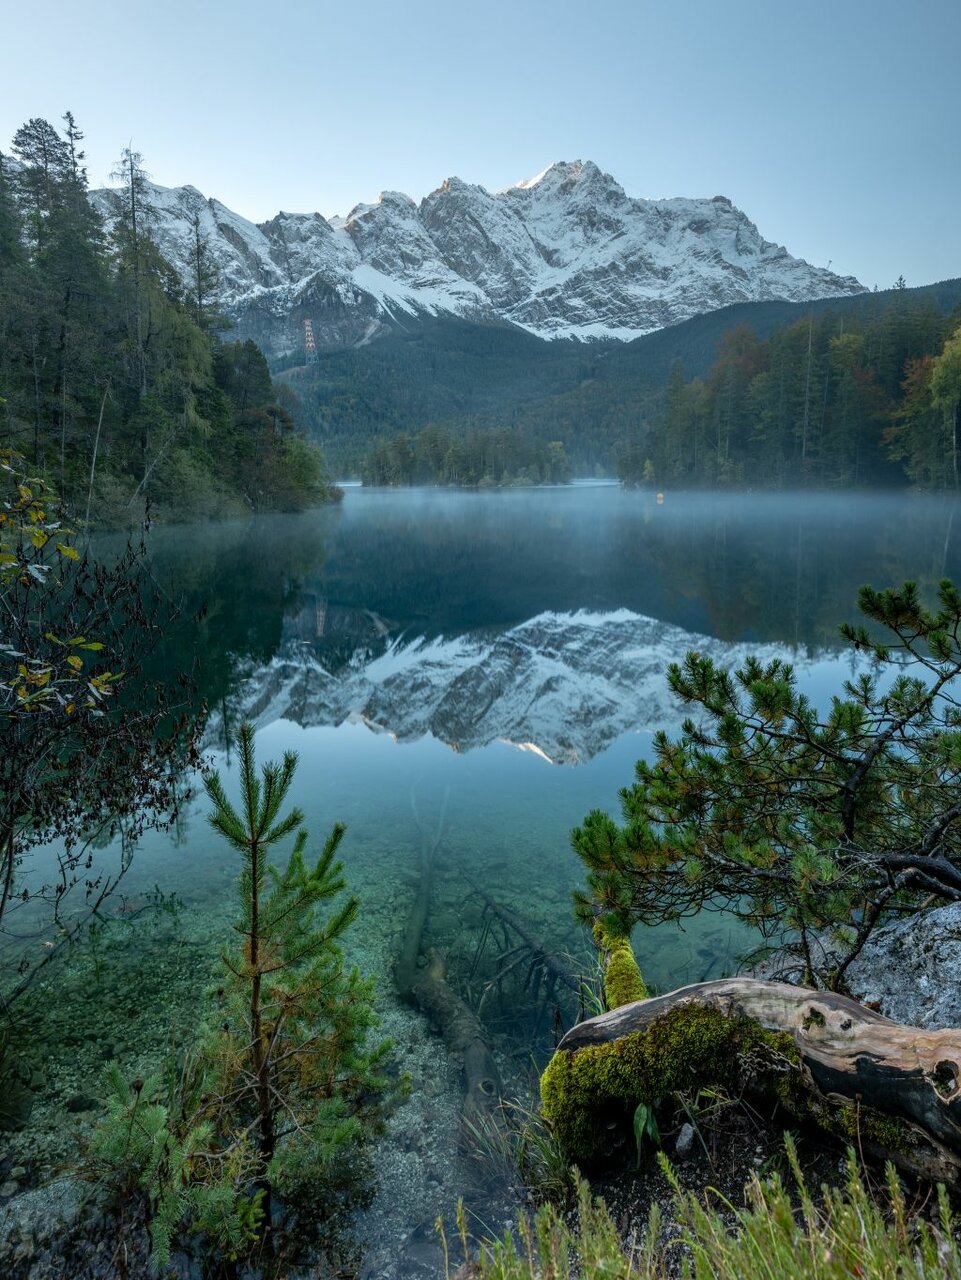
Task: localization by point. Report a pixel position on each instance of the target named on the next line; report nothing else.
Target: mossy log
(894, 1089)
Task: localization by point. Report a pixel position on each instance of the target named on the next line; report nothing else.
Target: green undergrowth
(781, 1233)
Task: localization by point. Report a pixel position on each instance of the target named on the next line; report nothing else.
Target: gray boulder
(908, 970)
(911, 969)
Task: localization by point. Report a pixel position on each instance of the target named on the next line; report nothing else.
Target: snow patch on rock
(567, 254)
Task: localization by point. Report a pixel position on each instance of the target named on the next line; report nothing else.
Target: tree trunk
(849, 1055)
(427, 988)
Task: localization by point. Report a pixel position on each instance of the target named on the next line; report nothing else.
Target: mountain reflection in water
(388, 568)
(562, 685)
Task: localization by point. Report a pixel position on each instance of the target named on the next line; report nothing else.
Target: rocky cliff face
(564, 255)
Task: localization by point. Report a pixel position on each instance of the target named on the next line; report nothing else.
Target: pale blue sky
(836, 126)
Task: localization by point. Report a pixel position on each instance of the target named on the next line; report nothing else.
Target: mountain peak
(561, 172)
(398, 198)
(565, 254)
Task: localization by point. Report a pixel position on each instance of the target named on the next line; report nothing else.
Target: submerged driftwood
(555, 972)
(425, 986)
(894, 1089)
(462, 1032)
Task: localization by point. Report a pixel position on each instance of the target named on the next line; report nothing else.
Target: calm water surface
(481, 670)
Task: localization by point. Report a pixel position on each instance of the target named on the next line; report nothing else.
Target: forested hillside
(114, 381)
(602, 399)
(834, 400)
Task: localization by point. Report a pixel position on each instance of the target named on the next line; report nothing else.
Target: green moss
(589, 1095)
(623, 982)
(861, 1123)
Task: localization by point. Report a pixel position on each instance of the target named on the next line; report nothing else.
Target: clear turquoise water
(337, 590)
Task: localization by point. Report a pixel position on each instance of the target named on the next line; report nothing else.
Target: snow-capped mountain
(561, 685)
(565, 254)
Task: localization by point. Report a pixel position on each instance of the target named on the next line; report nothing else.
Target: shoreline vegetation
(478, 459)
(831, 402)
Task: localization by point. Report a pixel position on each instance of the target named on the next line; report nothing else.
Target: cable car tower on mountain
(310, 346)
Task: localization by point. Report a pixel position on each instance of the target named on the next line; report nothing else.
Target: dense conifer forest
(831, 401)
(845, 397)
(477, 459)
(116, 383)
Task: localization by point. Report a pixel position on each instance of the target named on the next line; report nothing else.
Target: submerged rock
(65, 1231)
(16, 1103)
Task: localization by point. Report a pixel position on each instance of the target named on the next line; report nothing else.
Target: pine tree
(285, 1080)
(291, 1058)
(798, 822)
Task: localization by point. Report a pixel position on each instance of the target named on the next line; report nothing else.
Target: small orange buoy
(659, 499)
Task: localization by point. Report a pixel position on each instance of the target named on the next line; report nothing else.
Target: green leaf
(645, 1126)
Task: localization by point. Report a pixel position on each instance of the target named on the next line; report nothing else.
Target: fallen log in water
(462, 1032)
(405, 971)
(425, 986)
(894, 1089)
(555, 970)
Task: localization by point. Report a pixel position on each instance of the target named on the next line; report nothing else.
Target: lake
(476, 671)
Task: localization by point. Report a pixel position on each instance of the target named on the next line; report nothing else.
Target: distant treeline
(831, 400)
(475, 459)
(114, 383)
(599, 399)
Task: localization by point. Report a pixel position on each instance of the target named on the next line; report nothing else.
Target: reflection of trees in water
(736, 566)
(236, 583)
(789, 569)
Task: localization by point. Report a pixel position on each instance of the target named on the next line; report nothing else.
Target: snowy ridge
(561, 685)
(564, 255)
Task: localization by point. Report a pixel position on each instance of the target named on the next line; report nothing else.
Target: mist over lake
(488, 667)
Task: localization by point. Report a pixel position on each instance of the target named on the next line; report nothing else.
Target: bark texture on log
(849, 1054)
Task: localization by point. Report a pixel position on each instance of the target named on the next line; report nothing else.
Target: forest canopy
(831, 401)
(475, 459)
(115, 381)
